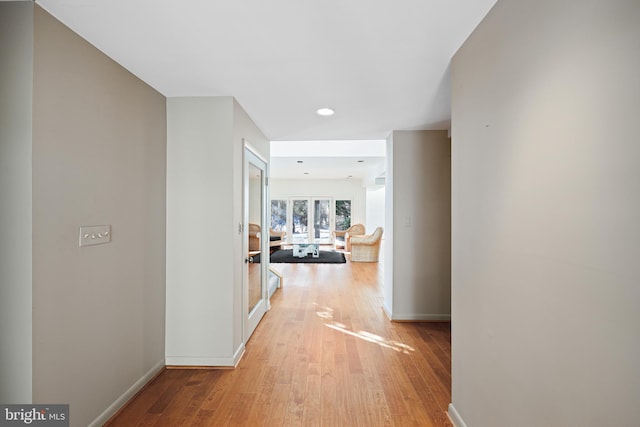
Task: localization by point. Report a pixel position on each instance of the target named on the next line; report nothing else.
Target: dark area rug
(285, 256)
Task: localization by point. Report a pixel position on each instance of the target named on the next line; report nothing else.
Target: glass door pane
(255, 300)
(255, 236)
(343, 214)
(279, 215)
(300, 231)
(321, 221)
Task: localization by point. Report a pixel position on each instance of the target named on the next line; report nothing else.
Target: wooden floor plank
(324, 355)
(312, 398)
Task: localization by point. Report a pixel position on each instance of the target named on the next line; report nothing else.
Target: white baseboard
(238, 355)
(455, 417)
(387, 311)
(414, 317)
(222, 362)
(127, 395)
(420, 317)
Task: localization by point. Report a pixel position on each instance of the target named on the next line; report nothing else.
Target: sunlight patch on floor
(327, 313)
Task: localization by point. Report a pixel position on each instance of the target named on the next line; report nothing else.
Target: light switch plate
(94, 235)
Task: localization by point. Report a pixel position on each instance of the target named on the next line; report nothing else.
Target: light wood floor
(325, 355)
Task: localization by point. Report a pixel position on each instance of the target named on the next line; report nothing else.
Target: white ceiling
(327, 168)
(303, 160)
(382, 65)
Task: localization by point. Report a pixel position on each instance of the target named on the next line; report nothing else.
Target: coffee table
(302, 250)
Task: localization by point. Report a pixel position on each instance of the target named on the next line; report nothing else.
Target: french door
(299, 222)
(310, 220)
(321, 220)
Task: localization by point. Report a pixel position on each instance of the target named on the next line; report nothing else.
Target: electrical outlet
(94, 235)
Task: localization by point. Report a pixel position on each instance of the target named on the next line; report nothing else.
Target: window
(300, 221)
(321, 220)
(343, 214)
(310, 219)
(279, 215)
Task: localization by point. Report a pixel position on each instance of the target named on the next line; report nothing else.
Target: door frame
(251, 319)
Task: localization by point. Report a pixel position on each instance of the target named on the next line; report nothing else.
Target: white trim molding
(387, 311)
(238, 355)
(208, 362)
(455, 417)
(420, 317)
(127, 395)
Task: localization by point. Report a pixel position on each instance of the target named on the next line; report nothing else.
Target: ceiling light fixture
(325, 112)
(299, 161)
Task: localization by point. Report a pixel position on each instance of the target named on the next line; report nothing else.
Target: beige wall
(99, 157)
(546, 202)
(419, 231)
(16, 93)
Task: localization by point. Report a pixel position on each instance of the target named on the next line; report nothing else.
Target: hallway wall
(546, 201)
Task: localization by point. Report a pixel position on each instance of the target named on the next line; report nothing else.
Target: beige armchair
(254, 237)
(366, 248)
(276, 238)
(343, 238)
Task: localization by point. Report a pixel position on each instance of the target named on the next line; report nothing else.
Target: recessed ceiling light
(299, 161)
(325, 111)
(360, 161)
